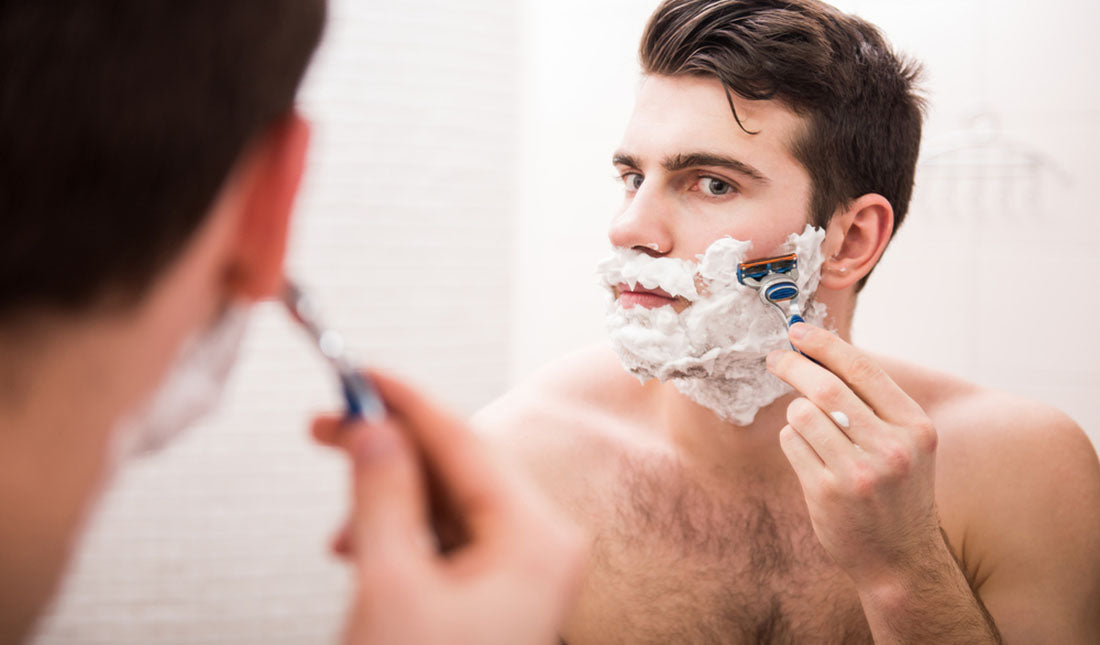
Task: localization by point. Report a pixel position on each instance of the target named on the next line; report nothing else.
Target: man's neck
(703, 440)
(55, 420)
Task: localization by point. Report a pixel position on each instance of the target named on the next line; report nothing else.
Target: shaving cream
(189, 391)
(713, 351)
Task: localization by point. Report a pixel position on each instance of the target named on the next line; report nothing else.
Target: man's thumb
(389, 523)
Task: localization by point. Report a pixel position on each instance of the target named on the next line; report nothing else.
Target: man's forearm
(929, 602)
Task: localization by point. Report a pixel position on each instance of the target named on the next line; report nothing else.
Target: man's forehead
(677, 113)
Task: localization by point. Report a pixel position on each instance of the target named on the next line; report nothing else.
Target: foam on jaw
(714, 351)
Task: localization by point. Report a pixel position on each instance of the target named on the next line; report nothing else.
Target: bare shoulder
(1021, 457)
(1019, 482)
(589, 380)
(1016, 441)
(979, 425)
(576, 411)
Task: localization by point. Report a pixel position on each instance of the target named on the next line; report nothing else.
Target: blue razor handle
(777, 290)
(361, 398)
(795, 318)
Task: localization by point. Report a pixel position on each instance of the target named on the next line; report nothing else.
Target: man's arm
(1034, 527)
(928, 601)
(864, 452)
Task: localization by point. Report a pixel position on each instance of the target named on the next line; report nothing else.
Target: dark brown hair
(863, 115)
(119, 122)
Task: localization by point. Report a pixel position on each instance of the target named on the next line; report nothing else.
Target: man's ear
(855, 240)
(272, 185)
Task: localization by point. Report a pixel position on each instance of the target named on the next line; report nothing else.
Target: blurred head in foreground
(151, 153)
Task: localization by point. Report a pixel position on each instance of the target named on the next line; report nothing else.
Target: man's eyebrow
(689, 160)
(625, 159)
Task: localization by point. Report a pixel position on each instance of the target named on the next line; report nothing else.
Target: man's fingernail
(798, 331)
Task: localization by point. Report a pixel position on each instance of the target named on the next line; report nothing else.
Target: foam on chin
(714, 351)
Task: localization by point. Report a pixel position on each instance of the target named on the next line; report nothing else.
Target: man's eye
(715, 187)
(632, 181)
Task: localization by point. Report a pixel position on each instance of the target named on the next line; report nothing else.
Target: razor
(360, 395)
(775, 280)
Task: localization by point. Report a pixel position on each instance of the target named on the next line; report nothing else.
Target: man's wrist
(923, 562)
(888, 595)
(928, 594)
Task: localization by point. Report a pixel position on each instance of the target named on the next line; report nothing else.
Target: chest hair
(676, 561)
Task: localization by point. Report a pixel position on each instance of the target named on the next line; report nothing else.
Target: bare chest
(674, 562)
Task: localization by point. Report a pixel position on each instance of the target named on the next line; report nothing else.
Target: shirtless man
(873, 500)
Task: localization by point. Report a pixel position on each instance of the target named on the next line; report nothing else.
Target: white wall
(458, 197)
(580, 76)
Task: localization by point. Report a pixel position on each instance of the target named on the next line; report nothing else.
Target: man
(150, 158)
(868, 499)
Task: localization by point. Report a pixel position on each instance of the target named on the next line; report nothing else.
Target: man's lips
(639, 296)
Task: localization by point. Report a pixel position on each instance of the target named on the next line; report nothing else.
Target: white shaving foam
(714, 351)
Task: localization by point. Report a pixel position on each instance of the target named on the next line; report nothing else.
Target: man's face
(692, 175)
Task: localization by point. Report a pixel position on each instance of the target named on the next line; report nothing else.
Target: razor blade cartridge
(752, 273)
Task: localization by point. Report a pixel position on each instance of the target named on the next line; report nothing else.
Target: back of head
(120, 120)
(863, 116)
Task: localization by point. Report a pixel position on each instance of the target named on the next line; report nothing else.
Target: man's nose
(643, 225)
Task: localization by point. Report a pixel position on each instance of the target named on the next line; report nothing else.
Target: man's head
(151, 155)
(802, 85)
(120, 124)
(762, 127)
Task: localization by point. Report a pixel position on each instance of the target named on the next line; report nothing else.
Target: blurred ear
(855, 240)
(278, 161)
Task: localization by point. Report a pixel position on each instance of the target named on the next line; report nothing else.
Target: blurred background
(457, 199)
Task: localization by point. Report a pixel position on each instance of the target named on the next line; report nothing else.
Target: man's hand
(864, 452)
(870, 486)
(510, 565)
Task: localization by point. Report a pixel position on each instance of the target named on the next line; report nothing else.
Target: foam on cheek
(714, 350)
